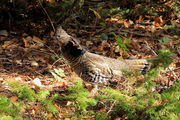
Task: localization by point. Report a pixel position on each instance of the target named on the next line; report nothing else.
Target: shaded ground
(31, 57)
(26, 57)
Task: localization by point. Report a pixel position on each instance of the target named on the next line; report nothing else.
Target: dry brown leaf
(111, 20)
(123, 22)
(126, 24)
(129, 36)
(158, 21)
(172, 65)
(120, 21)
(7, 44)
(117, 118)
(56, 106)
(11, 80)
(26, 42)
(33, 112)
(130, 22)
(67, 119)
(4, 33)
(37, 40)
(141, 27)
(139, 19)
(63, 84)
(121, 52)
(50, 115)
(103, 45)
(50, 1)
(69, 103)
(14, 98)
(96, 13)
(178, 70)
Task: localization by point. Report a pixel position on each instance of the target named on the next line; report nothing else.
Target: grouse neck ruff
(71, 51)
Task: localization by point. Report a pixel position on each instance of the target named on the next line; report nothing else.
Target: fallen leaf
(96, 13)
(111, 20)
(117, 118)
(158, 22)
(38, 41)
(126, 24)
(50, 115)
(139, 19)
(7, 44)
(67, 119)
(117, 49)
(56, 106)
(34, 64)
(120, 21)
(26, 42)
(88, 43)
(33, 112)
(14, 98)
(3, 33)
(50, 0)
(131, 22)
(19, 62)
(69, 103)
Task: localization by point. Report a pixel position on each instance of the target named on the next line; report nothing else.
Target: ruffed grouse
(95, 68)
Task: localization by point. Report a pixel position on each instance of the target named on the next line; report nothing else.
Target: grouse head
(61, 36)
(70, 48)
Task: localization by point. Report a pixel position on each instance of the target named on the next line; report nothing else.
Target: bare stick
(47, 15)
(151, 49)
(136, 33)
(157, 55)
(110, 109)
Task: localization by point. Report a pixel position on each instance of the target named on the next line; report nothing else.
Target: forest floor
(31, 59)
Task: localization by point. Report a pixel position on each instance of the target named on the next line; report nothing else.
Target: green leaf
(53, 57)
(60, 72)
(104, 36)
(6, 118)
(120, 42)
(42, 94)
(100, 116)
(102, 24)
(164, 40)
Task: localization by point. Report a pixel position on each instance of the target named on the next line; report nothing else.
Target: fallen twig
(174, 74)
(110, 109)
(136, 33)
(151, 49)
(47, 15)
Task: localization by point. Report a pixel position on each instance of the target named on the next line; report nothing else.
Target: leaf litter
(27, 58)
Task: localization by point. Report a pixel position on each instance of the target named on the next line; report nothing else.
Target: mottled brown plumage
(95, 68)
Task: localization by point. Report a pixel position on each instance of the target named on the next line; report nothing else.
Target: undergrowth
(143, 101)
(140, 101)
(12, 110)
(81, 98)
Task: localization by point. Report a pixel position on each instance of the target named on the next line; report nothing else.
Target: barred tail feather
(140, 64)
